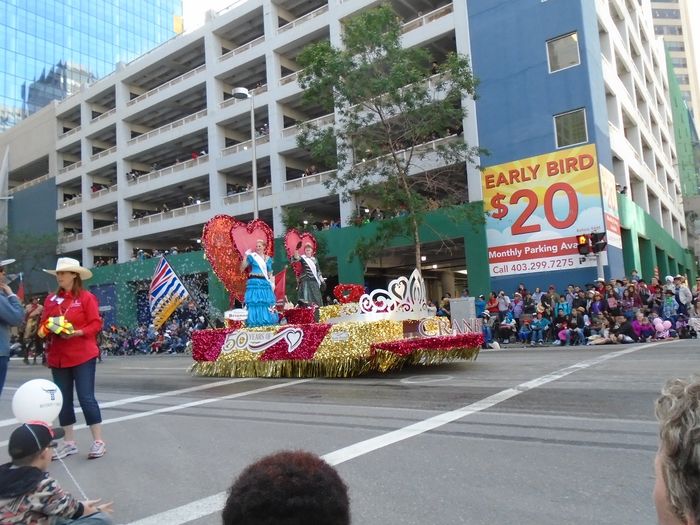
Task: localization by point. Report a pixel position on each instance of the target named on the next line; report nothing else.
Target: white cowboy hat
(6, 262)
(66, 264)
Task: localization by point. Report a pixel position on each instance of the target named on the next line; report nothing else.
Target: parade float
(380, 331)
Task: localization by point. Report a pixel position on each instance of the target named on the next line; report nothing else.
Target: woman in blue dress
(259, 294)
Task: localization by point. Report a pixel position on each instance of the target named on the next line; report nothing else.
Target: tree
(397, 137)
(32, 251)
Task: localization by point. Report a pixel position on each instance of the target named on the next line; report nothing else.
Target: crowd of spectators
(172, 338)
(619, 311)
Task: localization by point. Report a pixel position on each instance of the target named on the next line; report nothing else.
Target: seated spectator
(507, 328)
(288, 488)
(539, 325)
(677, 462)
(525, 332)
(643, 329)
(29, 495)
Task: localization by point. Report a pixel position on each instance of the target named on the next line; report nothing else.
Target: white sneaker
(97, 450)
(65, 449)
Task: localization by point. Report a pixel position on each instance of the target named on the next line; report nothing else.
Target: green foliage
(393, 106)
(32, 251)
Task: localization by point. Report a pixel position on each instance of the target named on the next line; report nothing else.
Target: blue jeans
(488, 335)
(4, 361)
(83, 376)
(99, 518)
(536, 335)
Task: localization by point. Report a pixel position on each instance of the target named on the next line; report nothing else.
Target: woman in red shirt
(72, 356)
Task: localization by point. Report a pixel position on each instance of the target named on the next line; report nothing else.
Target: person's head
(308, 249)
(70, 275)
(537, 290)
(31, 443)
(288, 488)
(260, 245)
(493, 295)
(677, 463)
(562, 299)
(3, 268)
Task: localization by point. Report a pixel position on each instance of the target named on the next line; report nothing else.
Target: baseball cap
(31, 438)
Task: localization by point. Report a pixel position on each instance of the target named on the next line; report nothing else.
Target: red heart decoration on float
(292, 239)
(245, 236)
(222, 255)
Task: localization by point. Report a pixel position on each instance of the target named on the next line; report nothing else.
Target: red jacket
(83, 313)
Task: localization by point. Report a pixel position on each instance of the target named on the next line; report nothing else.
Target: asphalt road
(519, 436)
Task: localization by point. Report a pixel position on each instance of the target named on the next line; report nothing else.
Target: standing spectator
(537, 296)
(479, 306)
(517, 307)
(492, 304)
(684, 296)
(529, 306)
(288, 488)
(32, 314)
(503, 305)
(11, 314)
(72, 356)
(669, 308)
(677, 462)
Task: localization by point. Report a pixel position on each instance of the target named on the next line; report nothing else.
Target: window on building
(570, 128)
(683, 79)
(675, 46)
(668, 30)
(679, 62)
(666, 13)
(562, 52)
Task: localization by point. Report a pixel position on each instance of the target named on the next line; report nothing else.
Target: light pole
(242, 93)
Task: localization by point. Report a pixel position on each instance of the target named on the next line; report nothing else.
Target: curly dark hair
(678, 412)
(288, 488)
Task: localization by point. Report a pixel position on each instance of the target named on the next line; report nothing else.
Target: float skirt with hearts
(323, 350)
(384, 331)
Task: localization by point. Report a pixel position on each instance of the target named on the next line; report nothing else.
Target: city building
(140, 160)
(51, 48)
(590, 78)
(672, 21)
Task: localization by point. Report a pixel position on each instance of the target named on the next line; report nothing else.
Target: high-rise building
(672, 21)
(577, 117)
(50, 48)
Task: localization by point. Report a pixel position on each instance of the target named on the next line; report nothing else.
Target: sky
(194, 11)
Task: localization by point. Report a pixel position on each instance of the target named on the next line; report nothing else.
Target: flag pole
(192, 296)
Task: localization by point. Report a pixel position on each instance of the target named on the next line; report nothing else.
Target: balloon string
(75, 481)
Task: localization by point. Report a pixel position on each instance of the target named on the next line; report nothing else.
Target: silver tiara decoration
(401, 296)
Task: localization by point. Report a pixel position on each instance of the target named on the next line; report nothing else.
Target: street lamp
(242, 93)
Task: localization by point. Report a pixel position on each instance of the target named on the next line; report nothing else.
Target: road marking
(211, 504)
(175, 408)
(422, 380)
(139, 399)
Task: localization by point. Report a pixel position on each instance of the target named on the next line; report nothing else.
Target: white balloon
(37, 400)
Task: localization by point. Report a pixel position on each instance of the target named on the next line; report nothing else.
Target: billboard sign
(537, 206)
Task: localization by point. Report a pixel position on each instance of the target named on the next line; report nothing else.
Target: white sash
(312, 266)
(263, 268)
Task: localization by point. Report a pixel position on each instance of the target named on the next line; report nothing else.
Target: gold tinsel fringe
(341, 367)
